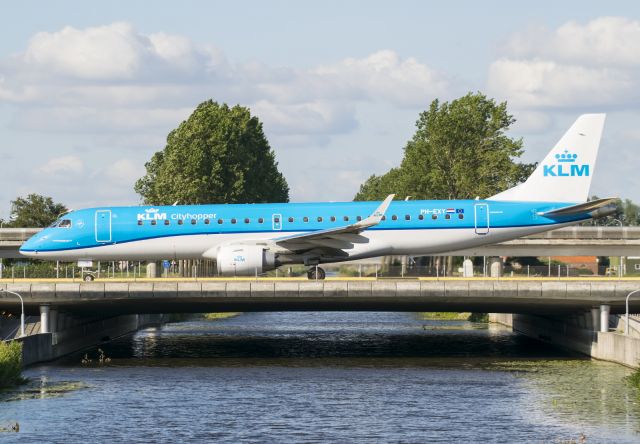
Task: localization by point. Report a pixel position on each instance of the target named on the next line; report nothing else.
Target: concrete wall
(577, 333)
(618, 348)
(77, 333)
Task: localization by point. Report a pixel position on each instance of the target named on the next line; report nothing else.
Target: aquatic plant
(11, 364)
(634, 378)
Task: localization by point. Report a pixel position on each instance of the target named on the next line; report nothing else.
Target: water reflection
(318, 377)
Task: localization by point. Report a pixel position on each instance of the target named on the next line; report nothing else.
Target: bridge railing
(123, 270)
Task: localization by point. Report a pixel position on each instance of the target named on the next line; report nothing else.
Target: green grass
(453, 316)
(634, 378)
(11, 364)
(215, 316)
(443, 316)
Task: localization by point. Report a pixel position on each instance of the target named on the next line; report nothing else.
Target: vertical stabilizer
(565, 174)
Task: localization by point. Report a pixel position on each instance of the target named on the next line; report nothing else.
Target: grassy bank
(10, 364)
(634, 378)
(215, 316)
(453, 316)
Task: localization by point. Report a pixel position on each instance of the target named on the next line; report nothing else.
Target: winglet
(377, 215)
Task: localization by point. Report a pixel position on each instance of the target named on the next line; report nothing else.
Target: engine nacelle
(244, 260)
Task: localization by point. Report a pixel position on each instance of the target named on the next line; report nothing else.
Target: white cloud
(62, 165)
(591, 65)
(611, 41)
(73, 79)
(123, 172)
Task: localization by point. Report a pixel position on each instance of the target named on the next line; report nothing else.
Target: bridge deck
(540, 296)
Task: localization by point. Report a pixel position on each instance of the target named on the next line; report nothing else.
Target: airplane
(250, 239)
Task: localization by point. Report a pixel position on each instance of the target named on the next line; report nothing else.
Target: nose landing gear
(316, 273)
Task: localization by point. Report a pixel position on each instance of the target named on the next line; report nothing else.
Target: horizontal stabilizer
(586, 207)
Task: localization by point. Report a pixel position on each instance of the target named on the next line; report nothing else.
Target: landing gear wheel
(88, 278)
(311, 274)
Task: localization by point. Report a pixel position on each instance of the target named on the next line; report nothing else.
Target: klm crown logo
(566, 166)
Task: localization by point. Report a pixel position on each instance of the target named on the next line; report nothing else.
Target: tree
(34, 211)
(218, 155)
(626, 212)
(379, 187)
(459, 151)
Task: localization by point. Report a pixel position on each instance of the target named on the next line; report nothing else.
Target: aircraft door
(103, 226)
(481, 213)
(276, 221)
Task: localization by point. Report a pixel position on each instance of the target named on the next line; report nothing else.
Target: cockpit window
(65, 223)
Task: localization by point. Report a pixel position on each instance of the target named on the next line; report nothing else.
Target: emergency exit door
(103, 226)
(481, 212)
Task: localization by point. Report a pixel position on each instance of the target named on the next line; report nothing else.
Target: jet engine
(244, 260)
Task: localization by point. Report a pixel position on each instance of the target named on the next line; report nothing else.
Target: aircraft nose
(29, 247)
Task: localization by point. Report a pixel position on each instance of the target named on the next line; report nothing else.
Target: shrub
(10, 364)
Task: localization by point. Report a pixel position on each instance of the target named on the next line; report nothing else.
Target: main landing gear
(316, 273)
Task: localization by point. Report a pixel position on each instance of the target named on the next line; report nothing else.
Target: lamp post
(620, 263)
(626, 315)
(21, 307)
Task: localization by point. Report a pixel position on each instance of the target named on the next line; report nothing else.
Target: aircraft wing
(586, 207)
(339, 238)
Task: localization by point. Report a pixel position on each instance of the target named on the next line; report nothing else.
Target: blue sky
(88, 91)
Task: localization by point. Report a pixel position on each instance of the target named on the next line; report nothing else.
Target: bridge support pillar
(495, 267)
(605, 310)
(595, 319)
(467, 268)
(152, 270)
(44, 319)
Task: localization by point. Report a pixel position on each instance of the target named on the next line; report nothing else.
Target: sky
(89, 91)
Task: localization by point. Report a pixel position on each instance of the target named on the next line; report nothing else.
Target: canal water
(324, 377)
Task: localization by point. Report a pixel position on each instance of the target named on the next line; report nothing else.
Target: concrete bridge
(573, 313)
(570, 241)
(532, 296)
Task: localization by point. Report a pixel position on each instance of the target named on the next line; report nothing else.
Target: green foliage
(634, 378)
(10, 364)
(34, 211)
(626, 212)
(478, 317)
(218, 155)
(459, 151)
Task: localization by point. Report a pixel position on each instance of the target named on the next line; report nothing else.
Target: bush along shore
(11, 364)
(454, 316)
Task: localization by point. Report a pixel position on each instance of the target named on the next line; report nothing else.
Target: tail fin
(565, 174)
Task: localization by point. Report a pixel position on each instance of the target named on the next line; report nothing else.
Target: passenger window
(246, 221)
(434, 216)
(260, 220)
(207, 221)
(358, 218)
(166, 221)
(333, 218)
(193, 221)
(421, 216)
(319, 218)
(275, 220)
(233, 221)
(153, 222)
(220, 221)
(384, 217)
(139, 222)
(305, 219)
(407, 217)
(346, 218)
(394, 217)
(460, 216)
(65, 223)
(180, 222)
(291, 219)
(447, 216)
